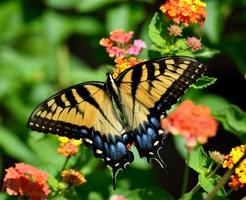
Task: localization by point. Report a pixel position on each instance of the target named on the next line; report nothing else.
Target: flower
(238, 180)
(119, 44)
(123, 63)
(73, 177)
(68, 147)
(119, 35)
(26, 180)
(194, 123)
(194, 43)
(185, 11)
(116, 51)
(234, 183)
(137, 47)
(117, 197)
(175, 30)
(217, 157)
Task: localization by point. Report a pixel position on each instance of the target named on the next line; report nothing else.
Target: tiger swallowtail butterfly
(110, 116)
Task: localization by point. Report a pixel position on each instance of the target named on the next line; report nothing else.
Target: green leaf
(204, 82)
(179, 143)
(206, 53)
(156, 31)
(139, 163)
(14, 147)
(180, 44)
(148, 193)
(233, 119)
(191, 196)
(91, 5)
(5, 196)
(11, 13)
(65, 4)
(45, 149)
(53, 182)
(209, 183)
(198, 160)
(217, 12)
(118, 18)
(124, 16)
(95, 195)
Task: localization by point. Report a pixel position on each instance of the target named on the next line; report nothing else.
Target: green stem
(65, 163)
(186, 175)
(198, 186)
(229, 192)
(224, 179)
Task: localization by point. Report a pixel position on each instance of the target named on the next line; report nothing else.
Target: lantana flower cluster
(120, 46)
(194, 123)
(68, 147)
(73, 177)
(26, 180)
(238, 180)
(185, 11)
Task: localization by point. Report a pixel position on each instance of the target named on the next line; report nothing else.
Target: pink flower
(119, 44)
(194, 123)
(26, 180)
(119, 35)
(117, 197)
(194, 43)
(116, 51)
(137, 47)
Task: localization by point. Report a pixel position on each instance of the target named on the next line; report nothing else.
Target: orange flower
(68, 147)
(194, 123)
(73, 177)
(185, 11)
(26, 180)
(123, 63)
(234, 183)
(238, 180)
(119, 35)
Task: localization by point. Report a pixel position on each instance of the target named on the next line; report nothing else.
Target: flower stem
(224, 179)
(198, 186)
(65, 163)
(186, 175)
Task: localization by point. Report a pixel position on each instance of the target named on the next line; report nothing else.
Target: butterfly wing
(86, 111)
(148, 90)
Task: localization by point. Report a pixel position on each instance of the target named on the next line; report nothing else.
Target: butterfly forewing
(148, 90)
(85, 111)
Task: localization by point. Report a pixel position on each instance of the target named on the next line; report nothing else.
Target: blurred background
(47, 45)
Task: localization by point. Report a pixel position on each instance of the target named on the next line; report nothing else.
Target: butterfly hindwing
(148, 90)
(86, 111)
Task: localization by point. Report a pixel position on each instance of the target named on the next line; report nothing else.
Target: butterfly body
(112, 116)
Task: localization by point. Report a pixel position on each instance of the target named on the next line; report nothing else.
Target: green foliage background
(51, 44)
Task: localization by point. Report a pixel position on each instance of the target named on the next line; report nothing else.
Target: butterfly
(113, 115)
